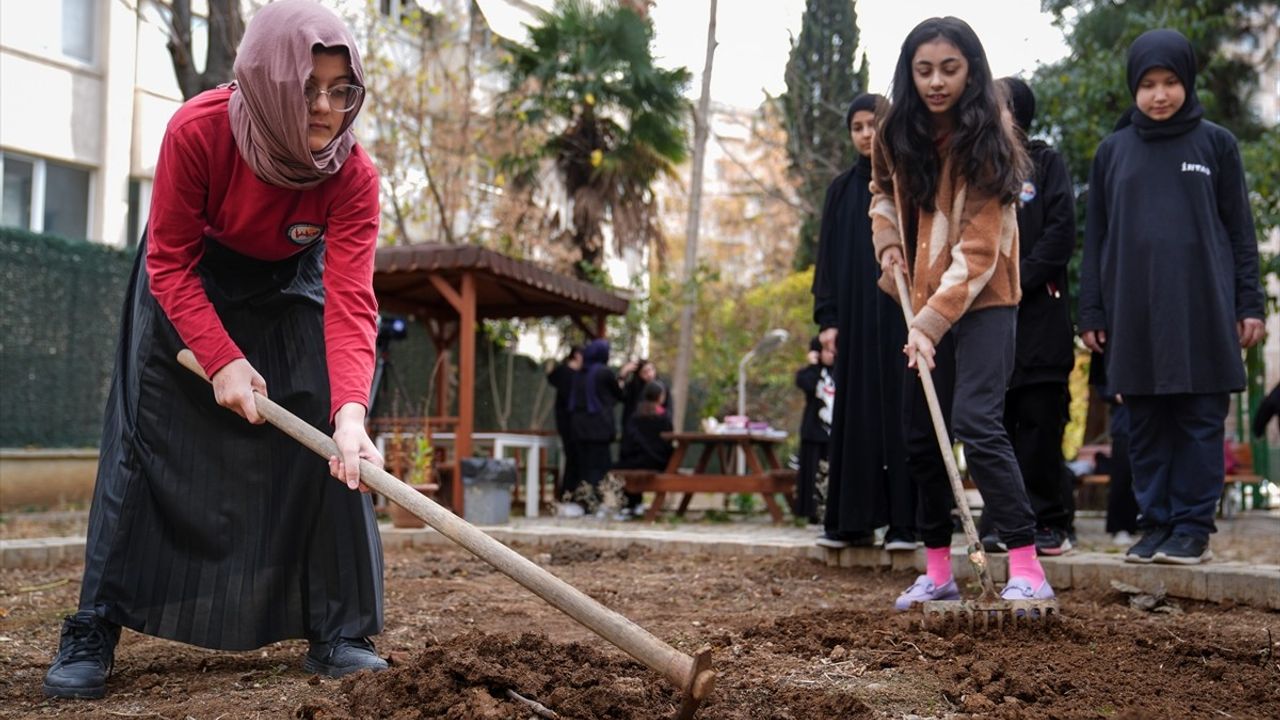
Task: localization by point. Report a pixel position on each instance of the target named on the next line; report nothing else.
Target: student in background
(1035, 407)
(1169, 288)
(560, 377)
(643, 447)
(867, 483)
(817, 382)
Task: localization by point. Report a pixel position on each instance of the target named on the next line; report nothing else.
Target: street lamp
(770, 341)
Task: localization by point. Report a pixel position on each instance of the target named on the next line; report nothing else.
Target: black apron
(208, 530)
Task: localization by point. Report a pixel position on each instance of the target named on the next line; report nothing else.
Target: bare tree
(684, 356)
(226, 27)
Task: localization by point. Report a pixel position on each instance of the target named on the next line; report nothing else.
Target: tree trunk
(684, 356)
(226, 26)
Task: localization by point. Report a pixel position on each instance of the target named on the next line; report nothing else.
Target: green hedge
(60, 304)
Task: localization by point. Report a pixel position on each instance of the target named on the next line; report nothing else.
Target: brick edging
(1254, 585)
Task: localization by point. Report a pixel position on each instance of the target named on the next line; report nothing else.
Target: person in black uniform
(560, 377)
(868, 486)
(1035, 407)
(816, 381)
(1170, 288)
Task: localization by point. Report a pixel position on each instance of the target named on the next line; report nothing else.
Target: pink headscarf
(268, 109)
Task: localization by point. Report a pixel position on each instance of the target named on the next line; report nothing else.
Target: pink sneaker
(924, 590)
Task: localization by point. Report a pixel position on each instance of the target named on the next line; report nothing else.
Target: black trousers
(974, 362)
(1122, 506)
(1035, 417)
(1176, 449)
(805, 504)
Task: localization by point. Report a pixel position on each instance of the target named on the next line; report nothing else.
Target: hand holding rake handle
(693, 675)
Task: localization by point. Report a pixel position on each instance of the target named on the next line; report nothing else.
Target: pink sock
(1023, 563)
(938, 565)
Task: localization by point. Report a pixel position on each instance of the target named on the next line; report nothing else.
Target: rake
(989, 609)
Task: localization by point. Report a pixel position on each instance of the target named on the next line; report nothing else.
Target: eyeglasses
(342, 98)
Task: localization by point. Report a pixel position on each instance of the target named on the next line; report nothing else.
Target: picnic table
(763, 473)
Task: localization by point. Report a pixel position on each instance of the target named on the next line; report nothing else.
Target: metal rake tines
(986, 615)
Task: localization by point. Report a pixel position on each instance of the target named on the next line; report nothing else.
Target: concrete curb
(1219, 582)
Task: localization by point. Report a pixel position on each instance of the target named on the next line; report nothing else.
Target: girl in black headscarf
(1169, 287)
(867, 486)
(592, 398)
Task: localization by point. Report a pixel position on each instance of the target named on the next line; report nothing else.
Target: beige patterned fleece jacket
(966, 249)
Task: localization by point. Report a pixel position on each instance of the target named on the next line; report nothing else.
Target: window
(44, 196)
(139, 210)
(78, 29)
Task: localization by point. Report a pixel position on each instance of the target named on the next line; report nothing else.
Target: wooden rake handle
(977, 556)
(693, 675)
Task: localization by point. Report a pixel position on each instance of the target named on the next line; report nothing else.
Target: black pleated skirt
(206, 529)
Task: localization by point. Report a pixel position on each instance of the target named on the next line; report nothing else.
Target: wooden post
(601, 325)
(466, 382)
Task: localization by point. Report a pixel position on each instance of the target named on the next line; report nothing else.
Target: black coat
(596, 427)
(643, 447)
(812, 427)
(1170, 261)
(1047, 238)
(561, 378)
(867, 455)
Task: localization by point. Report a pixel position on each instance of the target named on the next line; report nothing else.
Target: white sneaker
(570, 510)
(1122, 539)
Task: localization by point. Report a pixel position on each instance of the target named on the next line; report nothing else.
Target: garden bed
(792, 639)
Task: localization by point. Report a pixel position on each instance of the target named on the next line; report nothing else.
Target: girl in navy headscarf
(592, 398)
(1169, 288)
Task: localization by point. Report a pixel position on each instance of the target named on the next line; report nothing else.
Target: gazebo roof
(505, 287)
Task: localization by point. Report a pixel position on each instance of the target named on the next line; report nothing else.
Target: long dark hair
(983, 150)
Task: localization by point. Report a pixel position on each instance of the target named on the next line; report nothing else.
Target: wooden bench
(767, 484)
(1229, 482)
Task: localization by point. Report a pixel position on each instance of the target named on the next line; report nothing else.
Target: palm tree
(607, 119)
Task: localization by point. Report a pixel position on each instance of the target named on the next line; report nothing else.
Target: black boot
(85, 656)
(342, 657)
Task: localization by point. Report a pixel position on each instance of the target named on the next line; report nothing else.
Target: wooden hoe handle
(693, 675)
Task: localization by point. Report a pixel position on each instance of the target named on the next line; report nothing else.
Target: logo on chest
(1028, 192)
(1196, 167)
(304, 233)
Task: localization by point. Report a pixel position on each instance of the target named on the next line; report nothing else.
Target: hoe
(693, 675)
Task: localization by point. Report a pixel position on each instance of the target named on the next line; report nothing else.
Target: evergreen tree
(821, 81)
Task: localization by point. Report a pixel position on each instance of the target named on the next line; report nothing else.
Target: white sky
(754, 36)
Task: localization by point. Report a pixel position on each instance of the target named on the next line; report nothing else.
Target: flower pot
(402, 518)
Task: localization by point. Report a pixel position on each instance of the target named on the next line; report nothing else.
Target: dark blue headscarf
(595, 357)
(1171, 50)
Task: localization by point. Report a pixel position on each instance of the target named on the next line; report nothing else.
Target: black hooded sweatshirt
(1170, 259)
(1047, 237)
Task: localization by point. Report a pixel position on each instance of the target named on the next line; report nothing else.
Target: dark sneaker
(342, 657)
(1144, 551)
(85, 656)
(1182, 549)
(991, 543)
(900, 542)
(836, 541)
(1050, 541)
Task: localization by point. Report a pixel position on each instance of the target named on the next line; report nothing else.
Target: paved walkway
(1253, 584)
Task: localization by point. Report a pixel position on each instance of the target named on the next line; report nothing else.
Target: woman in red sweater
(208, 527)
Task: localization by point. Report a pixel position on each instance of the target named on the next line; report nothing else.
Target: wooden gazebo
(452, 287)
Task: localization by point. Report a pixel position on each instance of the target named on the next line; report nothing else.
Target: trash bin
(486, 490)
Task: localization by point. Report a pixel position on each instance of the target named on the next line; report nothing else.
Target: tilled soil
(791, 639)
